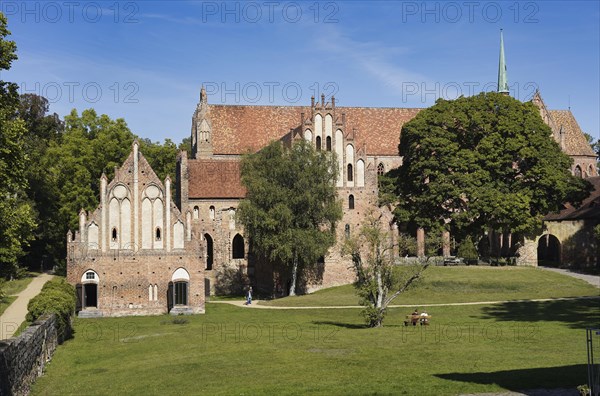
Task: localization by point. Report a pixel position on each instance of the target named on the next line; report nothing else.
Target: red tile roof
(212, 178)
(575, 141)
(241, 129)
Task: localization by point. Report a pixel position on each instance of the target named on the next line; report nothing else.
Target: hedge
(57, 296)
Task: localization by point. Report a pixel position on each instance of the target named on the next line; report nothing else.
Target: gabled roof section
(575, 142)
(241, 129)
(211, 178)
(589, 209)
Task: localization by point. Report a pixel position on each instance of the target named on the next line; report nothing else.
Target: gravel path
(593, 280)
(256, 303)
(15, 314)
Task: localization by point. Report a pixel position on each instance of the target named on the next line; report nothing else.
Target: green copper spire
(502, 78)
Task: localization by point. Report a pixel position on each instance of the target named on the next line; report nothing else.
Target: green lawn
(239, 350)
(461, 284)
(5, 303)
(18, 285)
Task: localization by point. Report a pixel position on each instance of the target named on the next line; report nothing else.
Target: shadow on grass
(524, 379)
(339, 324)
(577, 314)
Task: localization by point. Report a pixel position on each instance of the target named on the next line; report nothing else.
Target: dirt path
(15, 314)
(256, 303)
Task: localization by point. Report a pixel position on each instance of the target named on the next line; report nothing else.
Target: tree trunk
(294, 275)
(379, 302)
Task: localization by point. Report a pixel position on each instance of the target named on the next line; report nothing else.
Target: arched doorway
(88, 293)
(549, 251)
(177, 292)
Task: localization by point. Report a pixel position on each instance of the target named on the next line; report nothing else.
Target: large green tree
(486, 161)
(16, 214)
(48, 246)
(291, 207)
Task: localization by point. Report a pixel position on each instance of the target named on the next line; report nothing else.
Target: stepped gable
(213, 178)
(589, 209)
(240, 129)
(574, 139)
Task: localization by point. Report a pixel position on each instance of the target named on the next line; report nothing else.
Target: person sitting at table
(415, 317)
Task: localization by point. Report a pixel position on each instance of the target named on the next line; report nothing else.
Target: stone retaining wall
(23, 358)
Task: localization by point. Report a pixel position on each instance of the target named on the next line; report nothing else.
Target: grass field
(460, 284)
(240, 350)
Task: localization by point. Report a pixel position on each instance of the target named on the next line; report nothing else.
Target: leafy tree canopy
(291, 206)
(482, 161)
(16, 214)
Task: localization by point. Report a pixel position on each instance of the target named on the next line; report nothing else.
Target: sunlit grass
(461, 284)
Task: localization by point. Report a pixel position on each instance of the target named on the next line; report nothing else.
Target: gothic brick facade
(133, 255)
(141, 253)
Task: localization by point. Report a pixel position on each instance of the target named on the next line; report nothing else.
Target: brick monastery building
(143, 252)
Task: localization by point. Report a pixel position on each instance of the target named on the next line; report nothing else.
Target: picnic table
(419, 318)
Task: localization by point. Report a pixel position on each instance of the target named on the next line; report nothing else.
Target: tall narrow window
(351, 202)
(328, 143)
(318, 143)
(114, 234)
(211, 212)
(350, 173)
(380, 169)
(347, 230)
(158, 233)
(209, 251)
(577, 172)
(196, 213)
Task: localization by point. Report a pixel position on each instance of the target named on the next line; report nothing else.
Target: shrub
(58, 297)
(466, 249)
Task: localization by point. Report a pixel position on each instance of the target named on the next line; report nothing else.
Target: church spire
(502, 78)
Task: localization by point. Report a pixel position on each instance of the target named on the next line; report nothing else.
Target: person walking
(249, 296)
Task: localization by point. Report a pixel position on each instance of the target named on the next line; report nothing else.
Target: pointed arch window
(209, 252)
(380, 169)
(114, 234)
(328, 143)
(158, 234)
(318, 143)
(577, 171)
(351, 202)
(350, 173)
(196, 212)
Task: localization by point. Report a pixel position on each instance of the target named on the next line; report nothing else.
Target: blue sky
(145, 61)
